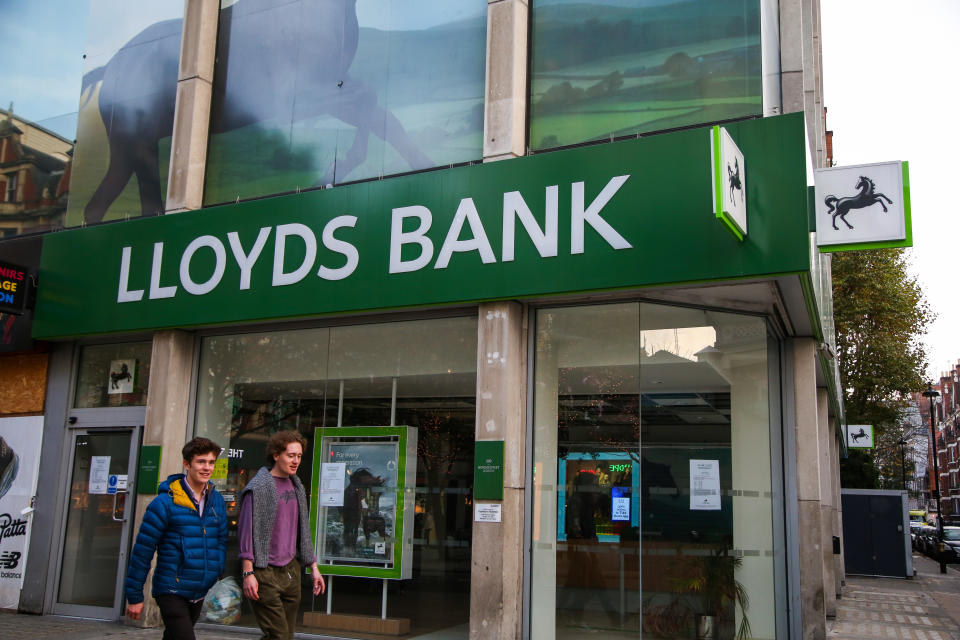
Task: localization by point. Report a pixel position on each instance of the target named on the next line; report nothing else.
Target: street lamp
(931, 394)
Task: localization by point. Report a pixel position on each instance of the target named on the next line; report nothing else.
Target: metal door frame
(86, 422)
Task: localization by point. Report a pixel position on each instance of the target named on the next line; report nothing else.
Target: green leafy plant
(712, 580)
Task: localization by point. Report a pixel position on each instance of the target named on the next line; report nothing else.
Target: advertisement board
(127, 100)
(860, 436)
(628, 214)
(362, 512)
(310, 93)
(20, 440)
(602, 69)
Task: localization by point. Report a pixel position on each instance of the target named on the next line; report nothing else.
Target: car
(951, 544)
(927, 539)
(914, 531)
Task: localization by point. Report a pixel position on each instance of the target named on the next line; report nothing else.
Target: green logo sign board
(860, 436)
(488, 470)
(148, 477)
(626, 214)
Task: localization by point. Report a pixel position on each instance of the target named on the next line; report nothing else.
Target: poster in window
(609, 68)
(125, 120)
(362, 513)
(20, 440)
(122, 376)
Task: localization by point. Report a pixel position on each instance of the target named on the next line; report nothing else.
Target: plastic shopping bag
(222, 604)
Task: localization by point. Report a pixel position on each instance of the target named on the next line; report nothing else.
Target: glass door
(98, 519)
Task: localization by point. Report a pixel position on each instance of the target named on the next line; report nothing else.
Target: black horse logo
(842, 206)
(733, 177)
(858, 435)
(117, 376)
(138, 88)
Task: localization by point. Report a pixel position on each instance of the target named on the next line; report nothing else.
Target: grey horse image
(274, 60)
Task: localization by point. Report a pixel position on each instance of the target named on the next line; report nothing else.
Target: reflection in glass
(420, 374)
(113, 375)
(318, 92)
(607, 68)
(652, 424)
(91, 544)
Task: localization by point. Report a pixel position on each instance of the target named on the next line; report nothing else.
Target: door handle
(123, 507)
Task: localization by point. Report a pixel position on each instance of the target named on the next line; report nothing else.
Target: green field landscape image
(430, 79)
(605, 69)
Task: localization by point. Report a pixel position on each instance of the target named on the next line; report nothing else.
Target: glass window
(607, 68)
(113, 375)
(310, 94)
(418, 374)
(652, 504)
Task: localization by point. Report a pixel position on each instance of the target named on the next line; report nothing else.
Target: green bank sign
(628, 214)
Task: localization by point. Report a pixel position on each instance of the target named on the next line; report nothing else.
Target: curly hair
(278, 442)
(198, 447)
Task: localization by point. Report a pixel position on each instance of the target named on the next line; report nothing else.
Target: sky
(891, 91)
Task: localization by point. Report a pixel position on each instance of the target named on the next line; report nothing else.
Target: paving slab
(926, 607)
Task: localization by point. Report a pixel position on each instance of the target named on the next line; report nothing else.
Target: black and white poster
(20, 440)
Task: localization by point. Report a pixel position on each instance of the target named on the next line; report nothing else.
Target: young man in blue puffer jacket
(186, 525)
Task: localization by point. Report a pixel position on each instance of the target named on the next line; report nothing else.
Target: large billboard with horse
(307, 93)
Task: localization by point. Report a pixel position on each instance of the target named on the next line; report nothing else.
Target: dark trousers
(279, 591)
(179, 615)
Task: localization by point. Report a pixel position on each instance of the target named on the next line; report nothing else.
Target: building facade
(548, 386)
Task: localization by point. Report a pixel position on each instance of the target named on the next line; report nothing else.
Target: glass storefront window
(605, 68)
(418, 374)
(113, 375)
(653, 507)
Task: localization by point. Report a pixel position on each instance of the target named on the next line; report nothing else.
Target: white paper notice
(332, 479)
(621, 510)
(487, 512)
(99, 474)
(705, 485)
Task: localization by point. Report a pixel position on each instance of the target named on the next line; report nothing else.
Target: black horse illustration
(867, 196)
(274, 60)
(733, 176)
(858, 435)
(117, 376)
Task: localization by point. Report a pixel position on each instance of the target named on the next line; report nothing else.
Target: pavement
(924, 608)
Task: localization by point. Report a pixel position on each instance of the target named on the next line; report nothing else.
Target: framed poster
(20, 440)
(362, 508)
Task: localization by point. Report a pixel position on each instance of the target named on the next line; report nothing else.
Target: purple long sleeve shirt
(283, 541)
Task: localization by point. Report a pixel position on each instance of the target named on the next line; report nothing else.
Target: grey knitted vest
(263, 492)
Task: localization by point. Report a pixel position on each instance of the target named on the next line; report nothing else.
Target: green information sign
(148, 477)
(628, 214)
(488, 470)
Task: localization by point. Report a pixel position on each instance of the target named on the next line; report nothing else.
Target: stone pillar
(496, 579)
(505, 114)
(191, 122)
(809, 530)
(168, 403)
(826, 502)
(838, 570)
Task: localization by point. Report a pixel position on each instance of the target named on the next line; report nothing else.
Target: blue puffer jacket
(191, 547)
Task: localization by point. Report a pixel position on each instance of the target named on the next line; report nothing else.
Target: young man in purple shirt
(275, 540)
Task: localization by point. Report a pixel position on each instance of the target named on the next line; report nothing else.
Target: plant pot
(706, 627)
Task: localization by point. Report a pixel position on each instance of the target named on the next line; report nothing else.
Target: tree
(880, 313)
